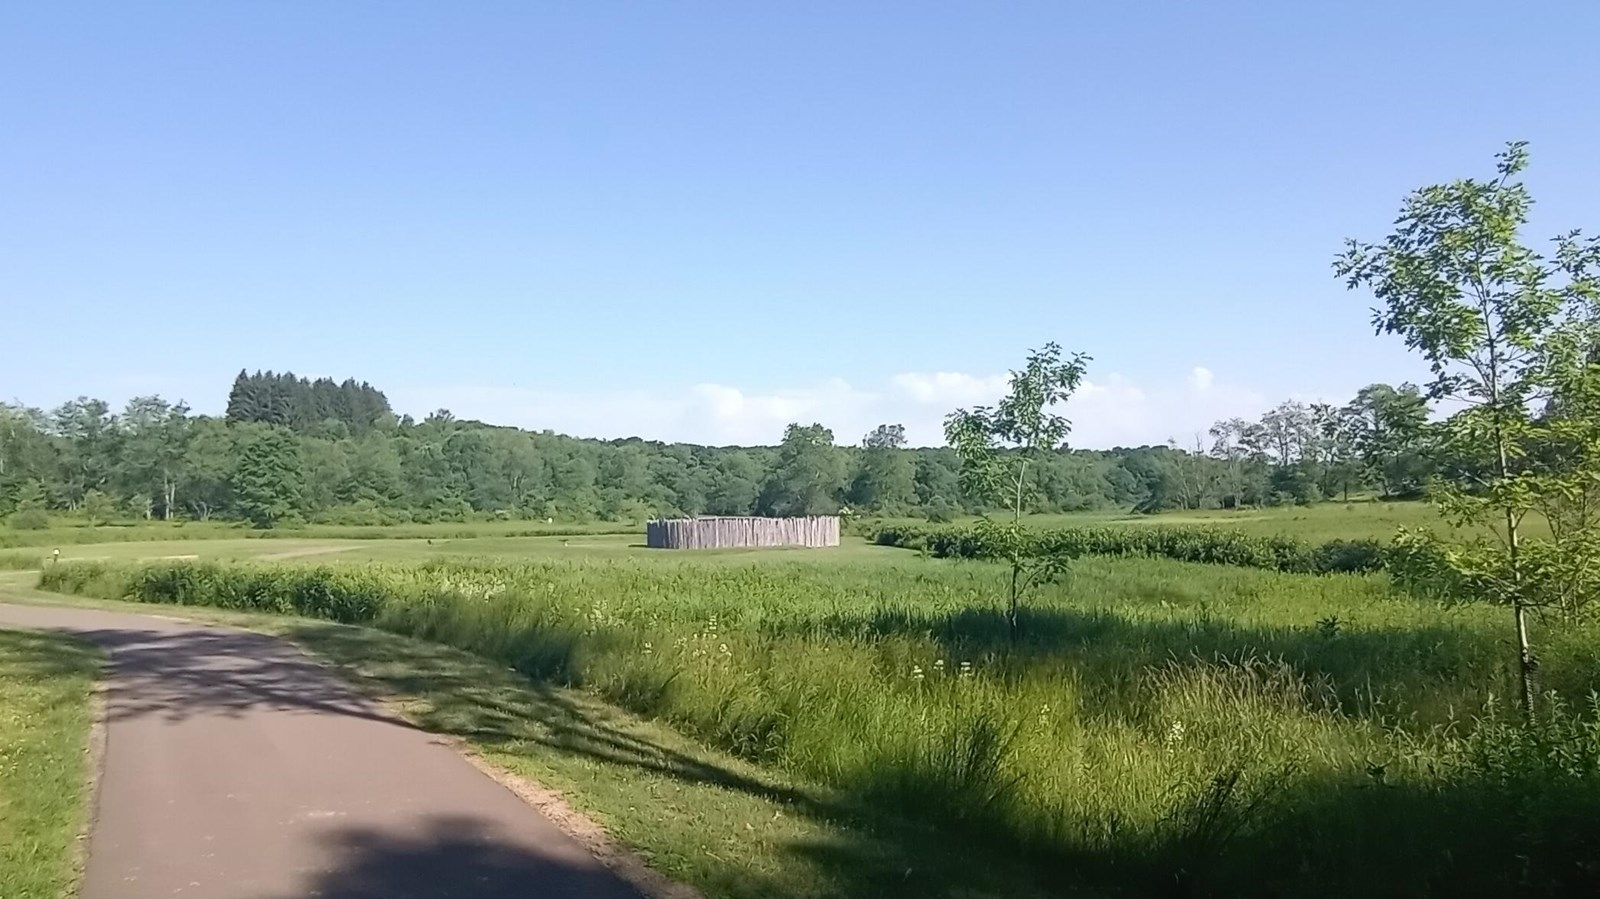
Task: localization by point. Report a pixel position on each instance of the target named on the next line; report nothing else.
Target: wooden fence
(731, 531)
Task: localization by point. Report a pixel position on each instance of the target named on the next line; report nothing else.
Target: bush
(1188, 544)
(30, 520)
(1550, 580)
(1350, 555)
(940, 511)
(346, 595)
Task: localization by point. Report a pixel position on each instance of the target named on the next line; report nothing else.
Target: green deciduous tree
(89, 444)
(98, 508)
(809, 475)
(155, 437)
(736, 486)
(208, 468)
(1340, 459)
(31, 505)
(886, 481)
(1501, 327)
(1387, 427)
(1000, 447)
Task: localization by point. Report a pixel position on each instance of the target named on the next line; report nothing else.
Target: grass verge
(46, 686)
(697, 816)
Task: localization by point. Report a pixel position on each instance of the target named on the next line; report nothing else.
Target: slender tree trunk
(1011, 613)
(1519, 612)
(1016, 548)
(1016, 509)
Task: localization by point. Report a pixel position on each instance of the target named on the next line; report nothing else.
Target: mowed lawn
(45, 687)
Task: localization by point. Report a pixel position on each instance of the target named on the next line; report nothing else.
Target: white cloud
(1109, 412)
(951, 388)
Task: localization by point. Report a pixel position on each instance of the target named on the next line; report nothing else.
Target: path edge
(552, 804)
(94, 771)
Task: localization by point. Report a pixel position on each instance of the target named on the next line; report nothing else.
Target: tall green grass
(45, 686)
(1158, 728)
(22, 561)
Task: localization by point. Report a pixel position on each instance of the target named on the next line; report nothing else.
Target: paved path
(236, 767)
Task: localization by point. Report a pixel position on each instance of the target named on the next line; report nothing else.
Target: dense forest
(291, 449)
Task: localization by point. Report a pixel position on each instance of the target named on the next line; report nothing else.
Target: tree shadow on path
(452, 858)
(181, 673)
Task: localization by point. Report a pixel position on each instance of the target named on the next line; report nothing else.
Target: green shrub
(1215, 546)
(30, 520)
(21, 561)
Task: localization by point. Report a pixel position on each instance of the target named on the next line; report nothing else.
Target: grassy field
(1233, 731)
(509, 540)
(45, 685)
(68, 532)
(600, 546)
(860, 721)
(1325, 521)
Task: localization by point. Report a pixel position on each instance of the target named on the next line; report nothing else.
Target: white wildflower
(1174, 734)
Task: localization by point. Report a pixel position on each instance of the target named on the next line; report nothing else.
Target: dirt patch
(303, 552)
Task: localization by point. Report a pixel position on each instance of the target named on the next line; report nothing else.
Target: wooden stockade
(731, 531)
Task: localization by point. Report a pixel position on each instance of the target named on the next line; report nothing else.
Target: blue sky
(701, 220)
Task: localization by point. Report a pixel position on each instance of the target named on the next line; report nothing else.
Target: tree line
(292, 449)
(1302, 452)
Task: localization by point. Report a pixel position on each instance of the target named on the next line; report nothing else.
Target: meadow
(1156, 727)
(75, 531)
(77, 538)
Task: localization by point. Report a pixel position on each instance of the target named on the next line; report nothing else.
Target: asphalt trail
(236, 767)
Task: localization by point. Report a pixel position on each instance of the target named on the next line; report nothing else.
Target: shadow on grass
(1421, 674)
(863, 852)
(29, 656)
(1524, 831)
(1477, 835)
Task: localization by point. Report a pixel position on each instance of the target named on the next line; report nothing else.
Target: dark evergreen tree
(267, 481)
(302, 404)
